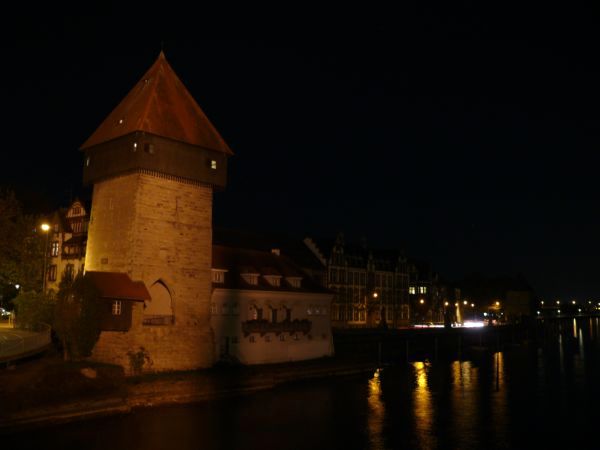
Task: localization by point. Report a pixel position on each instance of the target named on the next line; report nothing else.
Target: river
(530, 396)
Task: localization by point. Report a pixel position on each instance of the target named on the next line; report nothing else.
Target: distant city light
(45, 227)
(538, 313)
(497, 303)
(559, 311)
(558, 302)
(473, 324)
(573, 302)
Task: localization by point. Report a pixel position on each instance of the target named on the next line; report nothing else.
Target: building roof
(160, 104)
(291, 247)
(115, 285)
(236, 262)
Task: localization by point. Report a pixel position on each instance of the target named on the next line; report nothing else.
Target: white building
(264, 309)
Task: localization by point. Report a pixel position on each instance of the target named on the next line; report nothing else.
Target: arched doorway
(159, 310)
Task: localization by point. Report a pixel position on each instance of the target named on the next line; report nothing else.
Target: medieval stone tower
(154, 163)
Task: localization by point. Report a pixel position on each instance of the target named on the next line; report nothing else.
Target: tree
(33, 309)
(77, 316)
(22, 246)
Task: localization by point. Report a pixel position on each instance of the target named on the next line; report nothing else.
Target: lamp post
(45, 228)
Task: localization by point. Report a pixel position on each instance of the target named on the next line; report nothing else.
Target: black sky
(470, 138)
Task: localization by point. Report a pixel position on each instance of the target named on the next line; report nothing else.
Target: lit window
(149, 148)
(54, 249)
(213, 308)
(282, 337)
(213, 164)
(116, 308)
(412, 290)
(135, 146)
(422, 290)
(52, 273)
(294, 282)
(87, 161)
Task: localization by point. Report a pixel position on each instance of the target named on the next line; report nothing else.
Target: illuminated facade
(66, 243)
(153, 164)
(371, 286)
(265, 309)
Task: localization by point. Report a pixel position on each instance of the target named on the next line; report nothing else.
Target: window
(422, 289)
(218, 276)
(149, 148)
(294, 282)
(56, 228)
(54, 251)
(213, 308)
(273, 315)
(52, 273)
(282, 337)
(252, 339)
(69, 271)
(250, 278)
(412, 290)
(267, 338)
(87, 161)
(296, 337)
(213, 164)
(116, 308)
(77, 211)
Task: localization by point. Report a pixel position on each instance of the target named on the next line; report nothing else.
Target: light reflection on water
(423, 408)
(376, 414)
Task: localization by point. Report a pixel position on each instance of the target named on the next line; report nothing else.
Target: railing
(264, 326)
(158, 320)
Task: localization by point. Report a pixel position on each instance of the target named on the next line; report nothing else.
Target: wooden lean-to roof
(160, 104)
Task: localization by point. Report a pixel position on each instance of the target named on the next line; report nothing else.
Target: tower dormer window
(87, 161)
(213, 164)
(149, 148)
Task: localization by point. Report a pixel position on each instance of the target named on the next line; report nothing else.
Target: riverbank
(34, 393)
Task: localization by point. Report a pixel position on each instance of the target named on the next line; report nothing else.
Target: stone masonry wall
(157, 228)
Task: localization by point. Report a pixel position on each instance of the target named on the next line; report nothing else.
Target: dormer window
(213, 164)
(250, 278)
(273, 280)
(295, 282)
(218, 276)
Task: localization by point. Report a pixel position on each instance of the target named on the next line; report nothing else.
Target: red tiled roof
(238, 261)
(161, 105)
(118, 286)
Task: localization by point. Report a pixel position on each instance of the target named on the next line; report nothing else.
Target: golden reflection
(465, 401)
(574, 328)
(499, 405)
(376, 412)
(423, 410)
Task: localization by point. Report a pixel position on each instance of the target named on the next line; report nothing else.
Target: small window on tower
(149, 148)
(87, 161)
(116, 308)
(213, 164)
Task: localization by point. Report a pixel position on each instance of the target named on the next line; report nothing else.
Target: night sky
(470, 139)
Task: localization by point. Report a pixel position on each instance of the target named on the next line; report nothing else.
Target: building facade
(67, 243)
(371, 287)
(265, 309)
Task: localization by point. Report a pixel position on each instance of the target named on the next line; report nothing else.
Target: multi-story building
(67, 241)
(370, 286)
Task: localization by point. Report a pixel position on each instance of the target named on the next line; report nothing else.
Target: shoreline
(176, 388)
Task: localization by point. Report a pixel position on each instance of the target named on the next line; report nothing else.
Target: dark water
(533, 396)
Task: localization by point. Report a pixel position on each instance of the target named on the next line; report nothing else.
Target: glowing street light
(573, 302)
(446, 303)
(375, 295)
(45, 228)
(465, 302)
(558, 302)
(497, 303)
(421, 301)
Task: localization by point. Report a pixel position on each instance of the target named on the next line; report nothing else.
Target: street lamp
(45, 228)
